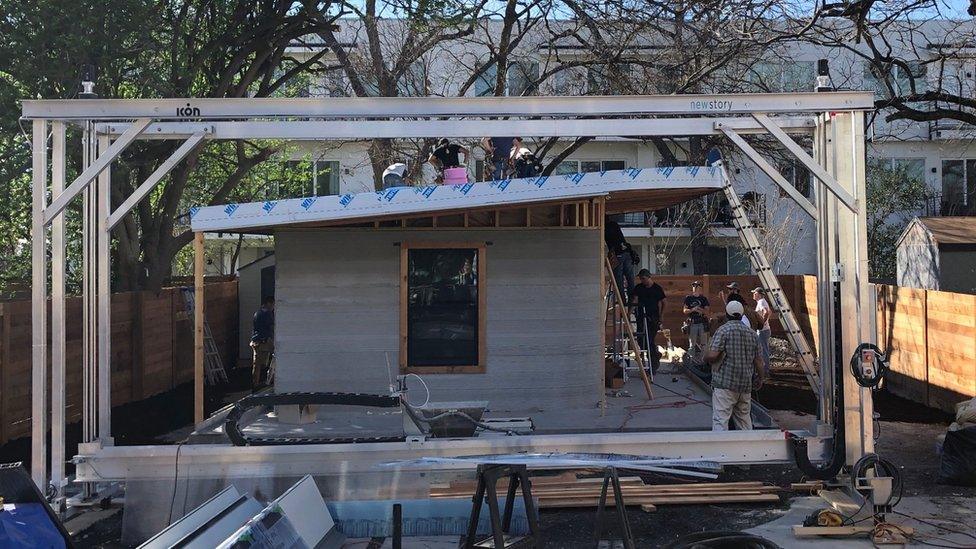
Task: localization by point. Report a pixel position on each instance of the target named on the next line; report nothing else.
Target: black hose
(880, 366)
(721, 540)
(838, 450)
(882, 467)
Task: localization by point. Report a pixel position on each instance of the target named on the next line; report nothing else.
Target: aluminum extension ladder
(745, 228)
(213, 367)
(625, 340)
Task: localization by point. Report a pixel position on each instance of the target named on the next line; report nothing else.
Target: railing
(717, 212)
(950, 206)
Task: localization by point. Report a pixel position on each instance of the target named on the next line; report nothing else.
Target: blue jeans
(764, 348)
(499, 169)
(624, 275)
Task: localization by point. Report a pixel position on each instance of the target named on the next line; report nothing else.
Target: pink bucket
(455, 176)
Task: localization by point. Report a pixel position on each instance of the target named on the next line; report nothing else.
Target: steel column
(848, 132)
(104, 295)
(57, 316)
(39, 309)
(89, 329)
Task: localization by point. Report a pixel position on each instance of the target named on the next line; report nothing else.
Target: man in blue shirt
(262, 339)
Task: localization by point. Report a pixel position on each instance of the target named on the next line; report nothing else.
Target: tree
(144, 48)
(894, 197)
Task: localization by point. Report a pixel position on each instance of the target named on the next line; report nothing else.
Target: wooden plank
(551, 503)
(200, 303)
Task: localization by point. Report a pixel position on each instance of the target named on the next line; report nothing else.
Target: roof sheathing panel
(632, 185)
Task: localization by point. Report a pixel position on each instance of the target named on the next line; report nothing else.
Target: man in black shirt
(696, 307)
(649, 298)
(447, 155)
(619, 249)
(262, 339)
(733, 295)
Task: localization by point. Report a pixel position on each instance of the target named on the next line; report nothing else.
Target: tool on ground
(486, 490)
(213, 367)
(744, 225)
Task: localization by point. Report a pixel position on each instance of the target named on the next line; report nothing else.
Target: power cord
(880, 366)
(176, 477)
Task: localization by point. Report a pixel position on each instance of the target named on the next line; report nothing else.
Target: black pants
(646, 339)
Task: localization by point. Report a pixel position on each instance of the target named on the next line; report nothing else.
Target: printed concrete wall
(337, 315)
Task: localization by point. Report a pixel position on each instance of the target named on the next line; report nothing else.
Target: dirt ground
(906, 435)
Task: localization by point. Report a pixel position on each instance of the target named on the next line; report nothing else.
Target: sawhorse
(488, 477)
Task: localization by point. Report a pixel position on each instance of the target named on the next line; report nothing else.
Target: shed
(490, 291)
(938, 253)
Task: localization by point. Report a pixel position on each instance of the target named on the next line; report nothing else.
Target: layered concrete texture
(338, 315)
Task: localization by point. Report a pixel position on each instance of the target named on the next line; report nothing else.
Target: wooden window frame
(481, 366)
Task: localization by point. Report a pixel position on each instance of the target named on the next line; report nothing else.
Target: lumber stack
(567, 491)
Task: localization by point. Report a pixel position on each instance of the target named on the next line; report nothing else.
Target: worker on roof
(497, 152)
(737, 369)
(447, 155)
(393, 175)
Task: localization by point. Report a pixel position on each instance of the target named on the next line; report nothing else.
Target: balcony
(717, 212)
(956, 205)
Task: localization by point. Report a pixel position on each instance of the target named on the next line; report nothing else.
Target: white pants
(732, 404)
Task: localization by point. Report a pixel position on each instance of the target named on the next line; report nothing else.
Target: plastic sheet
(958, 465)
(27, 525)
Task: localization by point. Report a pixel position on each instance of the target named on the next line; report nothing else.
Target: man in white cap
(735, 358)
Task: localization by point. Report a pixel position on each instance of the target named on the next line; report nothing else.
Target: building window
(588, 166)
(796, 76)
(611, 79)
(326, 177)
(959, 182)
(305, 178)
(522, 79)
(798, 175)
(442, 308)
(900, 78)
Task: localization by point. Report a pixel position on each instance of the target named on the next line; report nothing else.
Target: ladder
(745, 228)
(213, 367)
(618, 308)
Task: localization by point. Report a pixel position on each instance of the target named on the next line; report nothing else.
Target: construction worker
(497, 151)
(262, 339)
(447, 155)
(393, 175)
(621, 257)
(696, 307)
(523, 160)
(764, 312)
(736, 368)
(734, 295)
(649, 297)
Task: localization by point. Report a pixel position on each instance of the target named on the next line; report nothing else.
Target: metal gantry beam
(154, 178)
(374, 129)
(816, 169)
(770, 171)
(395, 107)
(103, 290)
(105, 158)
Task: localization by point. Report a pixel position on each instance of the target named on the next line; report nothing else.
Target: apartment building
(943, 155)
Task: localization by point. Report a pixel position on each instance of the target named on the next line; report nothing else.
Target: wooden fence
(152, 349)
(929, 335)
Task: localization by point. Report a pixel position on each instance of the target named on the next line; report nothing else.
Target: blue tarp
(28, 525)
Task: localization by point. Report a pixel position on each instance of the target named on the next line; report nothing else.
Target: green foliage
(894, 197)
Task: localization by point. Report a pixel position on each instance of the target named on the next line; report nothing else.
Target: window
(570, 81)
(588, 166)
(442, 308)
(783, 77)
(874, 78)
(608, 79)
(522, 79)
(959, 182)
(799, 176)
(305, 178)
